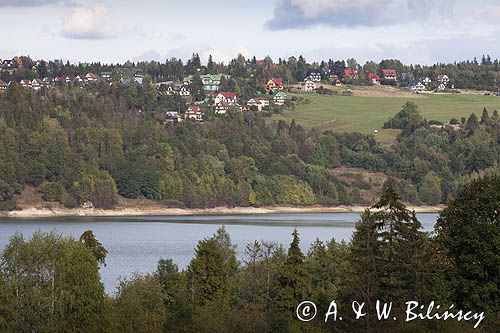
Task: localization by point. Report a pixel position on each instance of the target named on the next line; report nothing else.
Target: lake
(135, 244)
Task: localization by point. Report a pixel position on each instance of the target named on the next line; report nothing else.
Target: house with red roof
(222, 107)
(374, 78)
(225, 96)
(350, 73)
(274, 85)
(91, 77)
(194, 112)
(25, 83)
(390, 74)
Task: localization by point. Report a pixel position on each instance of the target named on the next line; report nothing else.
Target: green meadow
(366, 114)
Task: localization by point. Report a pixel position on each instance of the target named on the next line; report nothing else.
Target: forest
(51, 283)
(92, 145)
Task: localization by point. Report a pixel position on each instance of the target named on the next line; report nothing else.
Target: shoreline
(33, 212)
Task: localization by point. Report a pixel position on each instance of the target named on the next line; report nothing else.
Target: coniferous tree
(294, 279)
(469, 230)
(90, 241)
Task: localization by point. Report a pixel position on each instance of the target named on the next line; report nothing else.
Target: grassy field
(366, 114)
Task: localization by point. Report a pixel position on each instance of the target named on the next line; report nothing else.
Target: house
(59, 79)
(390, 74)
(313, 75)
(228, 97)
(194, 112)
(332, 75)
(259, 102)
(443, 79)
(173, 117)
(374, 78)
(36, 84)
(419, 87)
(25, 83)
(79, 79)
(427, 81)
(350, 73)
(441, 86)
(68, 79)
(106, 75)
(211, 82)
(407, 76)
(308, 86)
(129, 75)
(3, 86)
(279, 98)
(8, 64)
(274, 85)
(222, 107)
(91, 77)
(183, 90)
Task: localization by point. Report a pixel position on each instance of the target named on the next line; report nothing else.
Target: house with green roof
(211, 82)
(279, 98)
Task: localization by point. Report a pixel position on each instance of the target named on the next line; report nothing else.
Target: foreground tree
(90, 241)
(469, 229)
(54, 285)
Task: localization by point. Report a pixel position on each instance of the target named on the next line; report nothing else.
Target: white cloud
(90, 23)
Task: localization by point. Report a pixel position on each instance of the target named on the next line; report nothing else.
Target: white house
(443, 79)
(419, 87)
(259, 102)
(228, 97)
(308, 86)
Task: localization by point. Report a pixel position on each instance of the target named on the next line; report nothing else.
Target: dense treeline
(248, 74)
(77, 146)
(50, 283)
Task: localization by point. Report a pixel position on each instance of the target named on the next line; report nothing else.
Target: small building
(106, 75)
(274, 85)
(308, 86)
(222, 107)
(419, 87)
(443, 79)
(183, 90)
(173, 117)
(313, 75)
(374, 78)
(350, 73)
(3, 86)
(225, 96)
(91, 77)
(427, 81)
(279, 98)
(258, 102)
(194, 112)
(390, 74)
(25, 83)
(36, 84)
(407, 77)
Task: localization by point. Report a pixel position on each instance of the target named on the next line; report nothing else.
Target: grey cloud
(293, 14)
(32, 3)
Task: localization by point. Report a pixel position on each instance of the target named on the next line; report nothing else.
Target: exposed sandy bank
(158, 211)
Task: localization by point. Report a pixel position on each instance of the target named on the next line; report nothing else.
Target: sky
(111, 31)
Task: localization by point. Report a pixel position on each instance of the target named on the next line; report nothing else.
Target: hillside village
(208, 89)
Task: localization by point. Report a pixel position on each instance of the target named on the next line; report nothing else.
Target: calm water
(135, 244)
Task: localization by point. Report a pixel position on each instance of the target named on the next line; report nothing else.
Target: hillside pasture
(365, 114)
